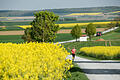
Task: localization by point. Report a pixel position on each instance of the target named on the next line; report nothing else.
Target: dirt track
(83, 30)
(61, 31)
(11, 32)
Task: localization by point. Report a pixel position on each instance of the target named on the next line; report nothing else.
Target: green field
(12, 28)
(9, 24)
(17, 38)
(63, 37)
(11, 38)
(114, 35)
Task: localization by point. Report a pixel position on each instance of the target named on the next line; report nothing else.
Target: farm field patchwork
(18, 39)
(116, 12)
(21, 32)
(77, 14)
(73, 24)
(70, 24)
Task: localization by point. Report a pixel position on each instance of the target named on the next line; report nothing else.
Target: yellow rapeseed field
(68, 24)
(73, 24)
(116, 12)
(33, 61)
(80, 14)
(103, 52)
(25, 26)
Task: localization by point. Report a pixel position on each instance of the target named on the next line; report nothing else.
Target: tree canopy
(43, 27)
(90, 30)
(76, 31)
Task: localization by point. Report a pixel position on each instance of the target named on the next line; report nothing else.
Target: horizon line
(53, 8)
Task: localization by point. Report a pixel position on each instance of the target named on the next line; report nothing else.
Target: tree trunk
(43, 37)
(110, 43)
(105, 43)
(90, 37)
(76, 39)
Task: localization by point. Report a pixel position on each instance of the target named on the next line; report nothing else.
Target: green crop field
(17, 38)
(15, 23)
(114, 35)
(63, 37)
(11, 38)
(12, 28)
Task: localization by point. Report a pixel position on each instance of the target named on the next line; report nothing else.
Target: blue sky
(53, 4)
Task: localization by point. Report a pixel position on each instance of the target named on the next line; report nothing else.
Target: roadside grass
(82, 55)
(77, 73)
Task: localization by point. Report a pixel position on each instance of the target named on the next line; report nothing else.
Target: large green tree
(43, 27)
(90, 30)
(76, 32)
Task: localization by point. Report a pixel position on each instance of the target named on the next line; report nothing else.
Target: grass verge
(63, 37)
(17, 38)
(77, 73)
(11, 38)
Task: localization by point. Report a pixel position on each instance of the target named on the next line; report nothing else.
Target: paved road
(99, 70)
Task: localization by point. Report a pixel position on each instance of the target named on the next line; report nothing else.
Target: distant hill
(19, 13)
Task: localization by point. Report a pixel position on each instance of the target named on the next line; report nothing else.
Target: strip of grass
(17, 38)
(11, 38)
(16, 23)
(13, 28)
(63, 37)
(114, 35)
(77, 73)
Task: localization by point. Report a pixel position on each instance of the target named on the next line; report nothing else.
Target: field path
(99, 69)
(83, 30)
(60, 31)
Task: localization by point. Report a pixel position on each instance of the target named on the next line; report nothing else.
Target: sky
(54, 4)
